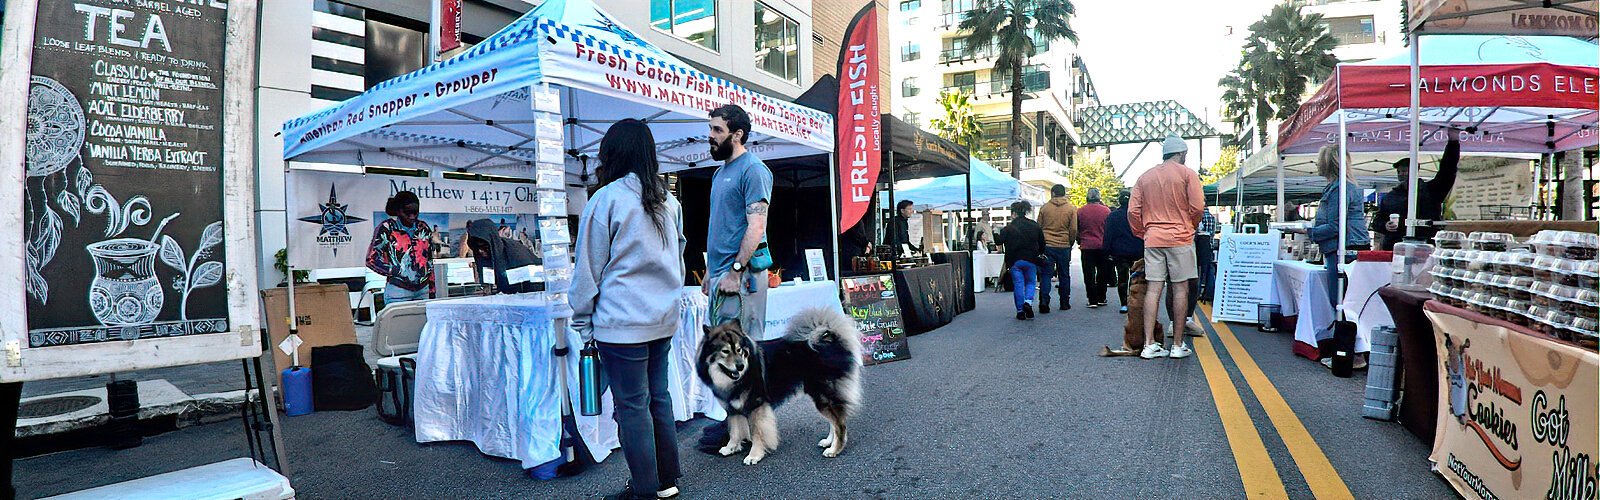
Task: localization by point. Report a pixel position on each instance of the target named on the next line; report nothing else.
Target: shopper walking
(1164, 210)
(737, 233)
(1091, 245)
(624, 298)
(1024, 242)
(1122, 248)
(1059, 217)
(401, 249)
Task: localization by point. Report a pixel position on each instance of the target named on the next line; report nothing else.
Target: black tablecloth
(1419, 363)
(961, 270)
(927, 297)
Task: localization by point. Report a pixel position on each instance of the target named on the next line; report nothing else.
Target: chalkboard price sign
(872, 301)
(124, 197)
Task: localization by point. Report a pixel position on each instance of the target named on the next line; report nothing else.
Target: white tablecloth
(1301, 289)
(1361, 299)
(486, 374)
(987, 265)
(785, 301)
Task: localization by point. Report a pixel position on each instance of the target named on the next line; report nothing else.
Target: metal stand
(261, 415)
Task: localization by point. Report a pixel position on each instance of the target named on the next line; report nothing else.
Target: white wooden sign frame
(18, 362)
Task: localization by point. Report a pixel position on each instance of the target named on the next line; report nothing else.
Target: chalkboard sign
(871, 300)
(124, 191)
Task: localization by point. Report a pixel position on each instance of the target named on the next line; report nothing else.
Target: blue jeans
(1059, 266)
(638, 378)
(395, 295)
(1024, 282)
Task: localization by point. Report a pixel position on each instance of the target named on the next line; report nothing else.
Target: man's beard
(722, 151)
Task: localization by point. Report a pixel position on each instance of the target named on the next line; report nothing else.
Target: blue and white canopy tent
(990, 189)
(480, 111)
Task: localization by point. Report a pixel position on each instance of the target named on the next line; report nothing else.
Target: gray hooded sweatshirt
(628, 276)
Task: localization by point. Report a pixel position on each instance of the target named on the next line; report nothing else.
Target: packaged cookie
(1493, 242)
(1579, 246)
(1518, 264)
(1519, 288)
(1454, 240)
(1586, 274)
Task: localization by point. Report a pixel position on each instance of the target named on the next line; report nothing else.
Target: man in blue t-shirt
(740, 192)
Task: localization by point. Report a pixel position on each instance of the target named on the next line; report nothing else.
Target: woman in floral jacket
(400, 250)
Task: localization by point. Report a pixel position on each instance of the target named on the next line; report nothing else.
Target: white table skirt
(1361, 299)
(486, 374)
(1301, 289)
(987, 265)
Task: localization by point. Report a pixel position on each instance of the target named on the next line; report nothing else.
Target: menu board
(1508, 184)
(871, 300)
(124, 191)
(1244, 274)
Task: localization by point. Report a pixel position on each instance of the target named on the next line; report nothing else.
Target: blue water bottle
(591, 382)
(297, 391)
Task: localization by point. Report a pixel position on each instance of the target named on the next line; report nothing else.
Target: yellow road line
(1313, 463)
(1256, 471)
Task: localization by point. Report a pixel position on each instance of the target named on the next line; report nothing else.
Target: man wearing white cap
(1165, 209)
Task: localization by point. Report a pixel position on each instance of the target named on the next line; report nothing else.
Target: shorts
(1170, 265)
(750, 307)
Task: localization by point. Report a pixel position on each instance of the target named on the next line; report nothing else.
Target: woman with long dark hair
(624, 297)
(401, 250)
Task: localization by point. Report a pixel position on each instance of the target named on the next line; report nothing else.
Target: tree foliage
(959, 123)
(1093, 170)
(1010, 28)
(1227, 163)
(1286, 53)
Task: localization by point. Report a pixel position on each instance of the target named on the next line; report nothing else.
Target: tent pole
(1344, 212)
(1238, 192)
(967, 233)
(1416, 140)
(893, 210)
(833, 207)
(1283, 208)
(294, 326)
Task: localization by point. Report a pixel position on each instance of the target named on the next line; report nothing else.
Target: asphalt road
(985, 407)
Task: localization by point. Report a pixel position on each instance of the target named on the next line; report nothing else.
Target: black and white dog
(820, 354)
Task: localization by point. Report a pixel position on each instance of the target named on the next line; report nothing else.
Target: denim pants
(1024, 282)
(395, 295)
(643, 411)
(1208, 268)
(1096, 274)
(1059, 266)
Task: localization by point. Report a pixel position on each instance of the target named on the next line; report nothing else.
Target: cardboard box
(323, 313)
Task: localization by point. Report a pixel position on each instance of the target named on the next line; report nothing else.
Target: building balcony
(960, 55)
(1355, 38)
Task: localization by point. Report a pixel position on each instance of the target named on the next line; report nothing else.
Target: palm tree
(1287, 52)
(1243, 101)
(1010, 27)
(959, 123)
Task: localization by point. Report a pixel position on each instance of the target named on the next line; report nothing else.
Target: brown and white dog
(820, 354)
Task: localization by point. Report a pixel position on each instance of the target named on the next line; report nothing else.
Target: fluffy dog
(1133, 330)
(820, 354)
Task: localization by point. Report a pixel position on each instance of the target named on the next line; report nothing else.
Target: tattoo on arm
(757, 208)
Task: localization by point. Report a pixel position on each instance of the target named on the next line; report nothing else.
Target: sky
(1152, 50)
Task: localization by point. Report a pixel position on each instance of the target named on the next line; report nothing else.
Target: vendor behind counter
(490, 250)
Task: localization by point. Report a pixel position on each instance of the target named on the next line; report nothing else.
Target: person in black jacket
(902, 227)
(1024, 242)
(1430, 206)
(1123, 247)
(502, 254)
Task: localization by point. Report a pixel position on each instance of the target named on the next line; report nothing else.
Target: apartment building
(929, 55)
(1366, 29)
(315, 53)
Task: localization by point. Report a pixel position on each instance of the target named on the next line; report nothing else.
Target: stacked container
(1381, 394)
(1550, 283)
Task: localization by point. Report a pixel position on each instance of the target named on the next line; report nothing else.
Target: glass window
(914, 118)
(910, 52)
(692, 20)
(777, 43)
(1351, 30)
(910, 5)
(908, 87)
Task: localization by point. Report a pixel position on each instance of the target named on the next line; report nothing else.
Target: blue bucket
(297, 391)
(546, 471)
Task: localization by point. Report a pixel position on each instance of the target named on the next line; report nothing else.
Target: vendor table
(927, 297)
(486, 374)
(961, 269)
(1361, 299)
(788, 300)
(987, 266)
(1419, 365)
(1517, 414)
(1301, 289)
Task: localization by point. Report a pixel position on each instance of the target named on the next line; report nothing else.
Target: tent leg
(1416, 140)
(1283, 207)
(1344, 213)
(833, 208)
(967, 224)
(893, 210)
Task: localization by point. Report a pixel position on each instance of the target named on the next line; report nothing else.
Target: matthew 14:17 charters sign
(124, 204)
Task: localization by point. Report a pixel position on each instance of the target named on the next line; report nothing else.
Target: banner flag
(859, 122)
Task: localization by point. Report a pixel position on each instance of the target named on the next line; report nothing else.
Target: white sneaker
(1180, 351)
(1152, 351)
(1193, 329)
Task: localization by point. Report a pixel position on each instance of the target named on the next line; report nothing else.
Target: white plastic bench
(239, 478)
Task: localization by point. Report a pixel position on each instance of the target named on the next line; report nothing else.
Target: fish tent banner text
(475, 111)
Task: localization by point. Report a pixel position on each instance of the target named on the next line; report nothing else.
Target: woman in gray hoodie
(625, 289)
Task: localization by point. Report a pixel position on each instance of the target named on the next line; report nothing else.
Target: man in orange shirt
(1165, 209)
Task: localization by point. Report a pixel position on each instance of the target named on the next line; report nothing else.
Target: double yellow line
(1256, 469)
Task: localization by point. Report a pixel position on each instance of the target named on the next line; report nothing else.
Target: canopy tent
(1261, 191)
(475, 112)
(1499, 94)
(990, 189)
(1522, 17)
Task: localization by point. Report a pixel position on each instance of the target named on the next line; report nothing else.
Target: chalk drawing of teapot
(125, 290)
